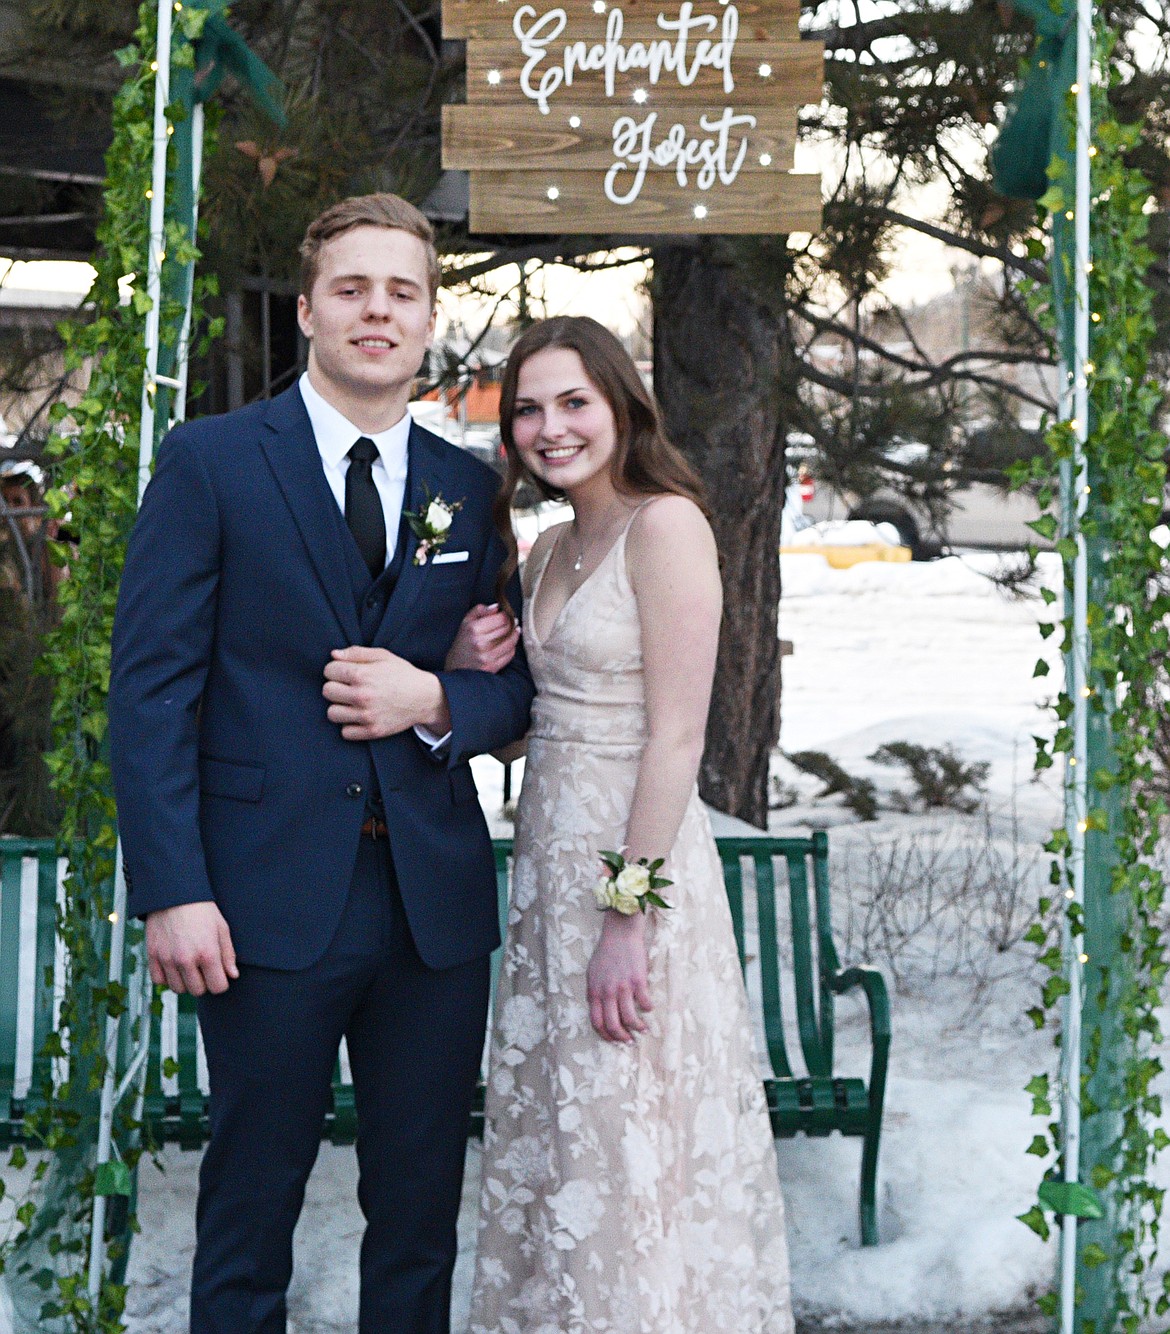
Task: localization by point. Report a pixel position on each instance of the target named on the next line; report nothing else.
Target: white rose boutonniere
(630, 887)
(430, 524)
(439, 517)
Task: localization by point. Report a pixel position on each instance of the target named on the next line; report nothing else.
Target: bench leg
(868, 1195)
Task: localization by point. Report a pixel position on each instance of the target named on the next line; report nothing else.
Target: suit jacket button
(354, 790)
(372, 601)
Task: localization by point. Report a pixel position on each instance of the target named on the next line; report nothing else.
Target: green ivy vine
(1128, 618)
(95, 473)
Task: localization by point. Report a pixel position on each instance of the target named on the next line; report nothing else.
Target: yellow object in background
(842, 557)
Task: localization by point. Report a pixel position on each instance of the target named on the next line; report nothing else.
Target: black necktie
(363, 506)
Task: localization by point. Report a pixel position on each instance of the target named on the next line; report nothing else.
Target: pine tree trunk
(722, 361)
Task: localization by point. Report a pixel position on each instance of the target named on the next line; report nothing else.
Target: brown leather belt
(375, 828)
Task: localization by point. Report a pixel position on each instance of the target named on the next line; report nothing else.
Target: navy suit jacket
(231, 782)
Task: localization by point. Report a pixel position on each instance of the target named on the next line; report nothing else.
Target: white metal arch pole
(155, 251)
(1081, 648)
(179, 409)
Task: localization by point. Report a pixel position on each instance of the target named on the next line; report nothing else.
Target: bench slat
(191, 1129)
(733, 882)
(770, 966)
(802, 969)
(47, 882)
(344, 1127)
(10, 874)
(826, 950)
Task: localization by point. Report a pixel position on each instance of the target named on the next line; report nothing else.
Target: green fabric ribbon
(1073, 1198)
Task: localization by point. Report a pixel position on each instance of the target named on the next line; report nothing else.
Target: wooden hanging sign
(639, 116)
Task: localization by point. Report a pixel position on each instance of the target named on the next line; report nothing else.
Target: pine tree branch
(922, 374)
(1028, 267)
(560, 250)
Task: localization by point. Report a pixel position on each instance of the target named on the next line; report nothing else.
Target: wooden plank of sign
(761, 20)
(520, 137)
(765, 74)
(763, 203)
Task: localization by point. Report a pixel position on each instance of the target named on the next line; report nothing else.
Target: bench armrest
(878, 999)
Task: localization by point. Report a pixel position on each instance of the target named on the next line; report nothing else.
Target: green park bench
(814, 1102)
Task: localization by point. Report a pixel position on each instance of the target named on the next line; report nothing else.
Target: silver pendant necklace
(580, 561)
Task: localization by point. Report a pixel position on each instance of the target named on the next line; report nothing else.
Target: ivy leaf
(1035, 1219)
(112, 1178)
(1094, 1255)
(1101, 1176)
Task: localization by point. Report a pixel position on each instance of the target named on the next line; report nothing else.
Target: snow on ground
(931, 653)
(934, 654)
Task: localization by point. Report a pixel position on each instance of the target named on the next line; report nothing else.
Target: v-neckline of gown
(542, 640)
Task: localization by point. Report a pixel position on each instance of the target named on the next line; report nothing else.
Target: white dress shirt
(336, 435)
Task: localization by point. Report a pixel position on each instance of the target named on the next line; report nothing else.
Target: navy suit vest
(370, 598)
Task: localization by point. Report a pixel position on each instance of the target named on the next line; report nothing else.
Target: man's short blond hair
(381, 210)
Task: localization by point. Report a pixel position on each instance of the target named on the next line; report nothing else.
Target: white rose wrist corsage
(630, 887)
(430, 525)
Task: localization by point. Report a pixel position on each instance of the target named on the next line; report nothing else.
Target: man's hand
(486, 641)
(190, 949)
(373, 693)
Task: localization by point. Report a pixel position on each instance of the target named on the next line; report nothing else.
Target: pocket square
(450, 557)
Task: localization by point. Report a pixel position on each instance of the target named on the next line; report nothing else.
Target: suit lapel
(425, 477)
(291, 450)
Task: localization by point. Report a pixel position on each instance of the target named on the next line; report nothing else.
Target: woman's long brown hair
(644, 463)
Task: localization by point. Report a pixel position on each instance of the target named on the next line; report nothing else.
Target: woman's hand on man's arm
(486, 641)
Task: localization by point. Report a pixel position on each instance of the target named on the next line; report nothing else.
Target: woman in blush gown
(629, 1172)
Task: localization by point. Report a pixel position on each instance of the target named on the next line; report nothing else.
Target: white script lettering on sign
(633, 117)
(536, 33)
(633, 148)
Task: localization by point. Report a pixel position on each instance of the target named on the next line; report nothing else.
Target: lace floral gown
(627, 1189)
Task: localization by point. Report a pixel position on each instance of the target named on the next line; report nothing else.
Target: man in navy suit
(290, 747)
